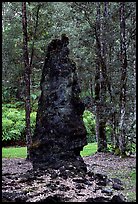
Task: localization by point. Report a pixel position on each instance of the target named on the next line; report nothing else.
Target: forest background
(103, 45)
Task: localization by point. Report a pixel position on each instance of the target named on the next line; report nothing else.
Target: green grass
(133, 175)
(130, 181)
(89, 149)
(14, 152)
(20, 152)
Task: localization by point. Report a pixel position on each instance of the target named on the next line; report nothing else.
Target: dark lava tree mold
(60, 133)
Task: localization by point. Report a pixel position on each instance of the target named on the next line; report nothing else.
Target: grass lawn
(20, 152)
(14, 152)
(89, 149)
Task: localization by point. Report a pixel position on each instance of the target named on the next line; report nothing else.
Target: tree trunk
(27, 78)
(100, 88)
(123, 57)
(34, 35)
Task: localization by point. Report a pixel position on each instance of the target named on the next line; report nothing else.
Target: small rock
(107, 191)
(101, 183)
(88, 183)
(40, 178)
(71, 167)
(90, 200)
(57, 182)
(97, 188)
(80, 194)
(54, 175)
(54, 198)
(101, 199)
(80, 186)
(100, 176)
(62, 168)
(90, 173)
(118, 198)
(79, 180)
(117, 186)
(62, 187)
(92, 179)
(116, 180)
(19, 162)
(109, 181)
(97, 199)
(6, 174)
(64, 176)
(52, 186)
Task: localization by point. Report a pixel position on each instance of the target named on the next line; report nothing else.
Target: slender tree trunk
(27, 78)
(97, 98)
(103, 73)
(122, 142)
(100, 89)
(97, 81)
(34, 35)
(115, 139)
(28, 66)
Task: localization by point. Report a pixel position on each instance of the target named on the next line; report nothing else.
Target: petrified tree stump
(60, 133)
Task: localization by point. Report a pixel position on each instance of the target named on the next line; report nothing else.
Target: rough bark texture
(60, 134)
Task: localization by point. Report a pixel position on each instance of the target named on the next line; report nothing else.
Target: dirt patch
(75, 188)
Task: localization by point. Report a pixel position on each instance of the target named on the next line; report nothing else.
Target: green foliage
(117, 151)
(9, 94)
(33, 121)
(13, 67)
(13, 122)
(89, 121)
(108, 131)
(33, 96)
(130, 147)
(84, 94)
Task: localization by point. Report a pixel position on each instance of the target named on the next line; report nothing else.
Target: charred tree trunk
(122, 142)
(27, 78)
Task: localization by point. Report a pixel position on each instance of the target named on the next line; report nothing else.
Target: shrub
(108, 131)
(89, 121)
(33, 121)
(13, 123)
